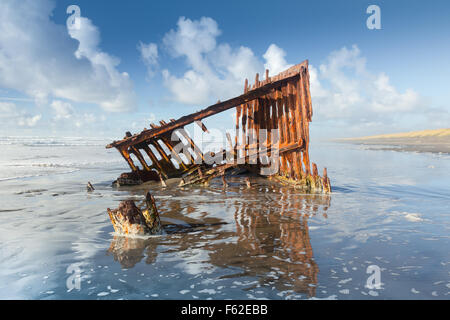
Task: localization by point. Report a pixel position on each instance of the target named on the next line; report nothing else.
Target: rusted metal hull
(271, 137)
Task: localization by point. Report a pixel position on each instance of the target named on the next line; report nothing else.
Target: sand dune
(412, 134)
(437, 141)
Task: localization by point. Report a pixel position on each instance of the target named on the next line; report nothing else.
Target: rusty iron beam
(202, 126)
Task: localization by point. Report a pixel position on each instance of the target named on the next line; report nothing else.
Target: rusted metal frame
(299, 123)
(285, 149)
(292, 105)
(195, 149)
(267, 78)
(287, 129)
(282, 130)
(230, 142)
(268, 114)
(236, 138)
(202, 126)
(305, 72)
(157, 165)
(326, 181)
(166, 137)
(293, 127)
(274, 117)
(286, 117)
(127, 157)
(162, 162)
(165, 161)
(141, 159)
(232, 150)
(191, 143)
(244, 119)
(298, 161)
(295, 146)
(305, 121)
(241, 123)
(283, 119)
(290, 160)
(305, 81)
(177, 157)
(168, 155)
(265, 121)
(221, 154)
(250, 114)
(190, 157)
(251, 129)
(173, 154)
(204, 176)
(290, 75)
(246, 113)
(285, 106)
(255, 125)
(290, 164)
(259, 124)
(163, 123)
(315, 173)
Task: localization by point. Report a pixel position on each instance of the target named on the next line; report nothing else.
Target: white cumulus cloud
(215, 70)
(275, 59)
(343, 88)
(29, 121)
(149, 55)
(62, 110)
(44, 60)
(10, 115)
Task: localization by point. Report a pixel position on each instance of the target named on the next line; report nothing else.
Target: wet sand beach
(387, 209)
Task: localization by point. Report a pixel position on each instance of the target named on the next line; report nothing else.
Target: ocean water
(388, 219)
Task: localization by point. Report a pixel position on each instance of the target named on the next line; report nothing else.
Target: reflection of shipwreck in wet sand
(271, 138)
(273, 242)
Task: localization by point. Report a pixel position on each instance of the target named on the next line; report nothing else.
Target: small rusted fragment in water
(90, 187)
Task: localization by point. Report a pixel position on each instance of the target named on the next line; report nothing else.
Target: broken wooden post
(151, 214)
(224, 182)
(247, 182)
(128, 219)
(90, 187)
(163, 183)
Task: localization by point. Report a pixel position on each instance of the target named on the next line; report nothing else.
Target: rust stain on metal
(272, 118)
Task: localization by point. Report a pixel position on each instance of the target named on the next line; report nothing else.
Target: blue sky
(98, 81)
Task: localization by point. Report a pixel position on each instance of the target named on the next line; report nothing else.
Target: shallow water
(388, 209)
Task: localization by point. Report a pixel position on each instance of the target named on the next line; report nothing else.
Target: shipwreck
(271, 138)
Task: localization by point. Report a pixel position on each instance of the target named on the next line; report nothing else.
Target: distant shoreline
(436, 141)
